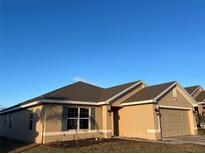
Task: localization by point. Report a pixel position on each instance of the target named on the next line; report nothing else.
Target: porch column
(106, 121)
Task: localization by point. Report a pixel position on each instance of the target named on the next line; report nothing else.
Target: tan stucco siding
(178, 101)
(54, 119)
(139, 121)
(20, 125)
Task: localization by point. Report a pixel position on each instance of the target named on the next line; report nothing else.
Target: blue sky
(47, 44)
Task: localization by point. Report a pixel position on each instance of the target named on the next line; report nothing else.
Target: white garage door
(174, 122)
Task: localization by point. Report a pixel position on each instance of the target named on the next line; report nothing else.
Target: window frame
(78, 118)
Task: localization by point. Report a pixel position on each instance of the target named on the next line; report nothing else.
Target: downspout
(159, 121)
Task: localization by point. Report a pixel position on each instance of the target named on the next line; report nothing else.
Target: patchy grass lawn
(104, 145)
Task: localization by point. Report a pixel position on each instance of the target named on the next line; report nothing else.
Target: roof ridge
(161, 84)
(123, 84)
(89, 84)
(192, 86)
(59, 89)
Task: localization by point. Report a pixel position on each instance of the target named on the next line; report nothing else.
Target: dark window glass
(83, 123)
(84, 113)
(31, 115)
(71, 124)
(30, 124)
(72, 112)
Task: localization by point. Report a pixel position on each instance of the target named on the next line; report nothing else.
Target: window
(31, 121)
(84, 118)
(10, 121)
(78, 118)
(72, 118)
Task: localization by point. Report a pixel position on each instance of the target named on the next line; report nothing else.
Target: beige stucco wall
(179, 101)
(53, 124)
(139, 121)
(20, 125)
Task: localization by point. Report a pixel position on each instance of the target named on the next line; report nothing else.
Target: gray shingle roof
(81, 91)
(148, 93)
(112, 91)
(201, 97)
(191, 89)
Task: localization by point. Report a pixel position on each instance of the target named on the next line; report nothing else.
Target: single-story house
(82, 110)
(198, 93)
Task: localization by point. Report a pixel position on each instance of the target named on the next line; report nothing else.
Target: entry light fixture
(157, 111)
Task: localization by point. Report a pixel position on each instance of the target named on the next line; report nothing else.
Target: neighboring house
(82, 110)
(198, 93)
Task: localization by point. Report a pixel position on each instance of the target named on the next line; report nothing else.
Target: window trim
(78, 118)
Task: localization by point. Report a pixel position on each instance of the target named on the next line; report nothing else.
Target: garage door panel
(174, 122)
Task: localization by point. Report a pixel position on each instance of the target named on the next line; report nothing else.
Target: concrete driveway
(193, 139)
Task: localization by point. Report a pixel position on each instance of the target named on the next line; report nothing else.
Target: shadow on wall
(23, 127)
(18, 129)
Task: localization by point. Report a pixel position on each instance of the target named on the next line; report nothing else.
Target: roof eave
(52, 101)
